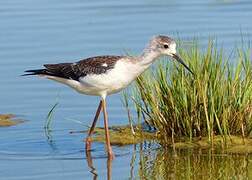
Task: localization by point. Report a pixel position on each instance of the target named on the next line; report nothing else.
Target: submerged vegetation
(216, 100)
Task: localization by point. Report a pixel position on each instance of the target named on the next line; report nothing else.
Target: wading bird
(105, 75)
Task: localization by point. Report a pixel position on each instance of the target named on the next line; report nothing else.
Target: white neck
(148, 57)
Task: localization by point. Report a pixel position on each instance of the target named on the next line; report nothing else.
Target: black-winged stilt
(105, 75)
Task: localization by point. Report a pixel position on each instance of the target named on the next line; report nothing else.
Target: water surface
(33, 33)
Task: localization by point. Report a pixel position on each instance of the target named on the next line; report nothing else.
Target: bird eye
(166, 46)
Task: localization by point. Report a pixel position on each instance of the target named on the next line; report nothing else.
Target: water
(33, 33)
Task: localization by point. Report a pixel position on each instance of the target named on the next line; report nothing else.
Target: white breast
(113, 80)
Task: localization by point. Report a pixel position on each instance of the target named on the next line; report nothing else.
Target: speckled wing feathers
(96, 65)
(64, 70)
(93, 65)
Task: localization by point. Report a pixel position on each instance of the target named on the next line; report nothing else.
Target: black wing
(93, 65)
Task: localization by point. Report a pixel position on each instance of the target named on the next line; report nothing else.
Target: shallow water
(33, 33)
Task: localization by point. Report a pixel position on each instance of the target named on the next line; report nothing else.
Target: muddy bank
(7, 120)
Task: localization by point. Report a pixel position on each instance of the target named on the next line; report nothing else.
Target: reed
(48, 123)
(216, 100)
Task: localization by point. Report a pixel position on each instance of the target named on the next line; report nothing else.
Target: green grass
(48, 123)
(216, 100)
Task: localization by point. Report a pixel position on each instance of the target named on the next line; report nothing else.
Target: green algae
(232, 144)
(7, 120)
(122, 135)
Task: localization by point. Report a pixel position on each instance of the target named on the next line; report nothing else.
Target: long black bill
(175, 56)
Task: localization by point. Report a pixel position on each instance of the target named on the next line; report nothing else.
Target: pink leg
(91, 130)
(109, 168)
(90, 164)
(109, 149)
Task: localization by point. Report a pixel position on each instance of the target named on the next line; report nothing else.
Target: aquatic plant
(216, 100)
(48, 123)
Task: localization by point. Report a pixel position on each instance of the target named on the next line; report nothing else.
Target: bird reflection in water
(93, 169)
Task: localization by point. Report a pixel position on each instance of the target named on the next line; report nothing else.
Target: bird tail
(63, 70)
(35, 72)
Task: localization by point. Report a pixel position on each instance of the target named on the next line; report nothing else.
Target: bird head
(165, 45)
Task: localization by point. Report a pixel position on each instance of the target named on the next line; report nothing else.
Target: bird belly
(76, 85)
